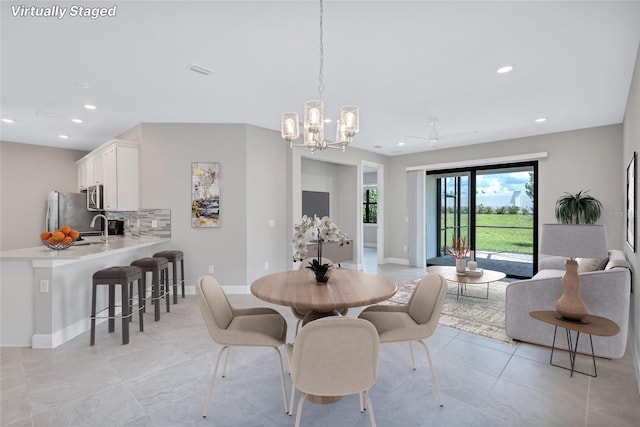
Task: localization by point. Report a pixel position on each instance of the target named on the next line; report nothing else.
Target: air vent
(47, 114)
(199, 69)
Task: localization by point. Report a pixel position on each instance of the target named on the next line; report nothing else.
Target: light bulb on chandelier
(346, 126)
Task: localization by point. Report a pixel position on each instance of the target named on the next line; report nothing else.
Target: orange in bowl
(74, 234)
(45, 235)
(65, 229)
(58, 235)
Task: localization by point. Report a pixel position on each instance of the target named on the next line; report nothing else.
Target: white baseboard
(400, 261)
(48, 341)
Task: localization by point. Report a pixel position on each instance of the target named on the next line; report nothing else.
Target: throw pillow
(591, 264)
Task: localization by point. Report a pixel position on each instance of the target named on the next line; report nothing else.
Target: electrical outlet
(266, 265)
(44, 286)
(211, 269)
(404, 249)
(154, 223)
(272, 222)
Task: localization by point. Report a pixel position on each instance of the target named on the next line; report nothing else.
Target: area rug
(481, 317)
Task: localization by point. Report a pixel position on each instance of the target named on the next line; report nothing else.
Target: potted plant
(578, 212)
(320, 230)
(458, 250)
(579, 208)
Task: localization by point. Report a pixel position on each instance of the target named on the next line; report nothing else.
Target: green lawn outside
(514, 240)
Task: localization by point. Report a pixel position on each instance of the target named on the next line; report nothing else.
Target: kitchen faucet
(105, 231)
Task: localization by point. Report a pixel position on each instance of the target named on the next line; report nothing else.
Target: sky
(502, 183)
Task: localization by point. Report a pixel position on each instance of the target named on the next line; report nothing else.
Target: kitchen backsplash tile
(145, 218)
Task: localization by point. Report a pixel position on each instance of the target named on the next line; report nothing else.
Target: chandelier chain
(321, 73)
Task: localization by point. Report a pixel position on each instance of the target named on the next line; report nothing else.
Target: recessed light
(541, 119)
(401, 143)
(89, 107)
(504, 69)
(64, 136)
(327, 120)
(76, 120)
(7, 120)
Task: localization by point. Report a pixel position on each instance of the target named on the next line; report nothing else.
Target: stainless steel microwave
(94, 198)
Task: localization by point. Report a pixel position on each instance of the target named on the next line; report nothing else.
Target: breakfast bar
(45, 294)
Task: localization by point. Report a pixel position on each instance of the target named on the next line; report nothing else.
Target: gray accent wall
(252, 190)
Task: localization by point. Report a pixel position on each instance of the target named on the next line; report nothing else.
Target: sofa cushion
(617, 259)
(591, 264)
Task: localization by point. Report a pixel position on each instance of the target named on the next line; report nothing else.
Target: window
(370, 206)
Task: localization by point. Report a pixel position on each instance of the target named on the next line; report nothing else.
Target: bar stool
(113, 276)
(159, 269)
(174, 257)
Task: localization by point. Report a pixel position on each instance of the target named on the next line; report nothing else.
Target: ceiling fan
(434, 135)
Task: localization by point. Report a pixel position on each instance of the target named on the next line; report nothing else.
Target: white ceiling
(400, 62)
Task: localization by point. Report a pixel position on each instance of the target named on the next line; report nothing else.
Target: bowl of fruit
(60, 239)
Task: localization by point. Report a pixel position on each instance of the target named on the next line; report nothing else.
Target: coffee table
(462, 280)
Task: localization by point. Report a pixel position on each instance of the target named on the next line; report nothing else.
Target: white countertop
(96, 249)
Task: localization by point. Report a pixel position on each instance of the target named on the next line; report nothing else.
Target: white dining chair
(242, 327)
(414, 321)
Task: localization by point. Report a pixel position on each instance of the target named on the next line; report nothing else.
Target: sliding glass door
(504, 212)
(493, 208)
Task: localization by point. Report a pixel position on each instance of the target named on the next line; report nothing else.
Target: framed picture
(631, 202)
(205, 194)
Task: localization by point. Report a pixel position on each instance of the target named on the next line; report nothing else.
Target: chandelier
(346, 127)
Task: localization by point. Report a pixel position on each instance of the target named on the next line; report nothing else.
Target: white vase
(461, 265)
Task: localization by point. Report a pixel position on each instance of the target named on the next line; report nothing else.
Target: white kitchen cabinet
(83, 179)
(120, 171)
(115, 166)
(90, 171)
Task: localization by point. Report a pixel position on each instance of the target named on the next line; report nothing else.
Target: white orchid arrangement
(315, 229)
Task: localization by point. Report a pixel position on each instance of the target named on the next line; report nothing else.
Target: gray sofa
(606, 293)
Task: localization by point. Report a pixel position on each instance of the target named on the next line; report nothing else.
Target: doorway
(372, 215)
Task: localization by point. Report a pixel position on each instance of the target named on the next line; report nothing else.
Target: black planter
(322, 277)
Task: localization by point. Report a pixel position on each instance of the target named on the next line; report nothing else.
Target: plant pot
(322, 277)
(461, 265)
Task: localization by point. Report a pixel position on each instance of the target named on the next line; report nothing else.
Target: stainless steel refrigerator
(71, 209)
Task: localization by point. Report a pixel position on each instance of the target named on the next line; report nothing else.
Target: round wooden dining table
(345, 288)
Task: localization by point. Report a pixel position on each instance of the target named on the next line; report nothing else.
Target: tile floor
(161, 377)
